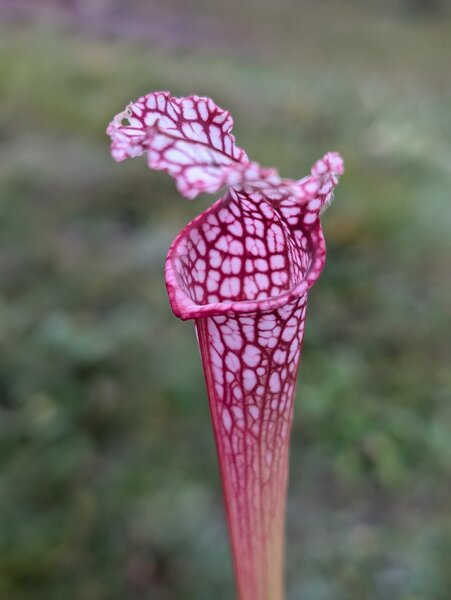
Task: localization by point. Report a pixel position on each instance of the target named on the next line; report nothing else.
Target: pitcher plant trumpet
(241, 270)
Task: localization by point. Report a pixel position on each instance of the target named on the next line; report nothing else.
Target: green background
(108, 479)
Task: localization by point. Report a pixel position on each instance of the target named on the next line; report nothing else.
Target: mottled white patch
(201, 247)
(212, 233)
(250, 288)
(249, 379)
(261, 264)
(267, 210)
(236, 247)
(277, 261)
(280, 356)
(201, 275)
(198, 293)
(262, 281)
(199, 132)
(213, 281)
(235, 265)
(151, 102)
(202, 109)
(236, 228)
(221, 117)
(249, 224)
(226, 266)
(230, 287)
(259, 228)
(161, 102)
(271, 241)
(314, 204)
(232, 361)
(249, 265)
(274, 383)
(159, 142)
(189, 111)
(171, 111)
(279, 278)
(228, 145)
(267, 323)
(289, 333)
(176, 156)
(195, 174)
(279, 238)
(249, 332)
(237, 393)
(254, 411)
(238, 412)
(225, 216)
(226, 419)
(222, 244)
(251, 355)
(310, 218)
(214, 258)
(215, 136)
(216, 359)
(233, 340)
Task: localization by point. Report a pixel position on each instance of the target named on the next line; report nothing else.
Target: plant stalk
(250, 364)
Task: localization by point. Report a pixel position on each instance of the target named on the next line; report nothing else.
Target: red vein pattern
(250, 365)
(241, 270)
(190, 138)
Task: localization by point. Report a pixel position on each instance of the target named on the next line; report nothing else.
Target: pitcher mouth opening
(226, 262)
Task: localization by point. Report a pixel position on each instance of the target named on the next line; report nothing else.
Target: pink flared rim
(185, 308)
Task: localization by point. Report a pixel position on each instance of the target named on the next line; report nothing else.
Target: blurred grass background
(108, 480)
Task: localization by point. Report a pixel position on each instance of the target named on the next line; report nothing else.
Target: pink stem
(250, 364)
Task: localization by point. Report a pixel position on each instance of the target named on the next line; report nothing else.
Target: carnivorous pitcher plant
(241, 270)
